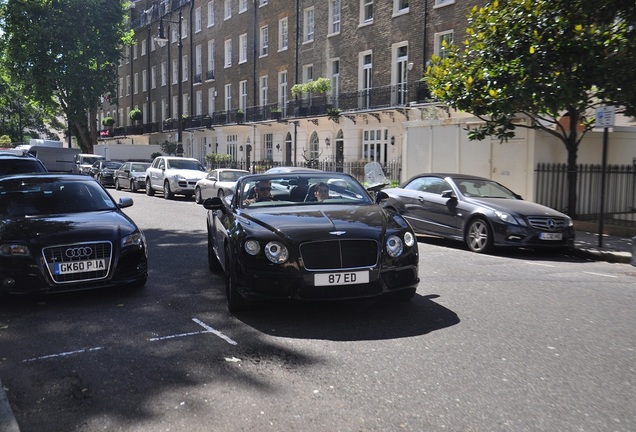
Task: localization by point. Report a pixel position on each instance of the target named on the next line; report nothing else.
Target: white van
(83, 162)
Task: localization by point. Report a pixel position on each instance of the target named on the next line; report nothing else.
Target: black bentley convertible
(308, 236)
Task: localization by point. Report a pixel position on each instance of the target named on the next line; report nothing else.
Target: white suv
(174, 175)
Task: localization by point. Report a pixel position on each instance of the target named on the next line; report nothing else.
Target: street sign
(605, 116)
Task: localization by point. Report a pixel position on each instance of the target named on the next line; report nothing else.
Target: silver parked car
(218, 182)
(131, 175)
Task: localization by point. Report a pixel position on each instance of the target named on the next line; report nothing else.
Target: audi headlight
(134, 239)
(252, 247)
(394, 246)
(9, 250)
(508, 218)
(276, 252)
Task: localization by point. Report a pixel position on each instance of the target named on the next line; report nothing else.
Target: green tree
(169, 148)
(65, 53)
(542, 59)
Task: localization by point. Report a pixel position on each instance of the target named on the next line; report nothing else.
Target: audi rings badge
(79, 252)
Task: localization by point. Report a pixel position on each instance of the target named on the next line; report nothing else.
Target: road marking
(602, 274)
(216, 332)
(176, 336)
(539, 264)
(62, 354)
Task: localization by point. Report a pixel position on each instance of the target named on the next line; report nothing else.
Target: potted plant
(275, 113)
(135, 115)
(240, 115)
(220, 116)
(334, 114)
(108, 121)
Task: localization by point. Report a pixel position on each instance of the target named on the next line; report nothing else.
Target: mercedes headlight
(508, 218)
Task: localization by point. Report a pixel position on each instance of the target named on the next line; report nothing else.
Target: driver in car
(263, 192)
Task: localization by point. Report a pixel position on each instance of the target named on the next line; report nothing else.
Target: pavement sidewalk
(614, 248)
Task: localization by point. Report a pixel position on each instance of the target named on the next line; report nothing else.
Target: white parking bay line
(601, 274)
(62, 354)
(216, 332)
(207, 328)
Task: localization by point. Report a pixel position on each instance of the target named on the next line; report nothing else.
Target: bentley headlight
(276, 252)
(9, 250)
(394, 246)
(252, 247)
(134, 239)
(409, 239)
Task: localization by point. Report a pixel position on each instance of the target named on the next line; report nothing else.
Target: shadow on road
(375, 319)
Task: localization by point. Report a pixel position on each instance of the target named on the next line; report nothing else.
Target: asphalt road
(519, 341)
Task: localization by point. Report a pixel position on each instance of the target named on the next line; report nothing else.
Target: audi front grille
(79, 262)
(339, 254)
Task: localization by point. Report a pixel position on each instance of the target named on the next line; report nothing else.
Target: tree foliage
(541, 59)
(65, 53)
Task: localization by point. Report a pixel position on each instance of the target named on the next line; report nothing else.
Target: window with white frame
(144, 113)
(175, 71)
(283, 34)
(211, 100)
(365, 80)
(443, 40)
(210, 74)
(242, 6)
(210, 13)
(143, 47)
(334, 16)
(135, 51)
(198, 63)
(185, 104)
(227, 10)
(307, 75)
(335, 82)
(175, 106)
(199, 103)
(128, 85)
(400, 6)
(314, 147)
(164, 109)
(400, 73)
(121, 87)
(366, 11)
(243, 94)
(153, 45)
(374, 145)
(153, 108)
(263, 2)
(243, 48)
(153, 77)
(184, 66)
(228, 97)
(228, 53)
(308, 25)
(231, 143)
(263, 84)
(268, 146)
(282, 92)
(174, 34)
(184, 29)
(144, 80)
(198, 21)
(264, 41)
(136, 83)
(164, 74)
(439, 3)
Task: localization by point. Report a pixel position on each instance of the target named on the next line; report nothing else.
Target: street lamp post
(162, 40)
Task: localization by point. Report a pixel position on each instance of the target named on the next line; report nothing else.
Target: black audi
(64, 232)
(308, 236)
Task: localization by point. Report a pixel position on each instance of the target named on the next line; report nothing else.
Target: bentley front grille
(339, 254)
(78, 262)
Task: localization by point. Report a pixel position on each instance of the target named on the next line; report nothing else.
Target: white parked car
(218, 182)
(174, 175)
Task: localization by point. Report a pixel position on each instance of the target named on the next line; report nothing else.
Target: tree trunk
(571, 144)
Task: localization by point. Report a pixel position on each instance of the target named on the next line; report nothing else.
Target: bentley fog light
(409, 239)
(276, 252)
(394, 246)
(252, 247)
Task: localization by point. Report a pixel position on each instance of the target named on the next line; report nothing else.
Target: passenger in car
(322, 191)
